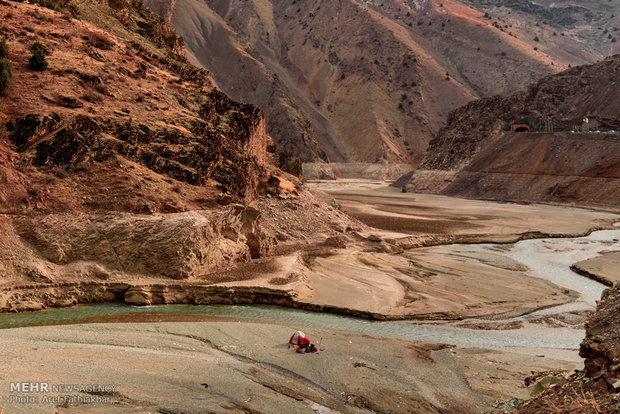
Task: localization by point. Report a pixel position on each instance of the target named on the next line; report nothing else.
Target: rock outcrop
(154, 177)
(177, 246)
(595, 389)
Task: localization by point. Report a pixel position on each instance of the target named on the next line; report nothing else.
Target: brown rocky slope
(475, 154)
(361, 81)
(122, 164)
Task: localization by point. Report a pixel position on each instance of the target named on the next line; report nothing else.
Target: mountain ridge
(364, 81)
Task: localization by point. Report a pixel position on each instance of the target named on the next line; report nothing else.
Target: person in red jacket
(300, 341)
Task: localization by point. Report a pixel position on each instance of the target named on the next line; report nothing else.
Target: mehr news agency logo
(30, 393)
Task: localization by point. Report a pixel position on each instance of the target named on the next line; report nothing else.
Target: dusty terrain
(319, 254)
(368, 81)
(603, 268)
(436, 219)
(248, 368)
(593, 22)
(564, 168)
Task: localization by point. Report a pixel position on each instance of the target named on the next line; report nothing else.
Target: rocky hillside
(595, 23)
(361, 81)
(566, 98)
(121, 163)
(573, 168)
(476, 155)
(595, 389)
(110, 102)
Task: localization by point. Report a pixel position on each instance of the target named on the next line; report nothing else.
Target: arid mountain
(121, 162)
(361, 81)
(562, 159)
(565, 98)
(594, 23)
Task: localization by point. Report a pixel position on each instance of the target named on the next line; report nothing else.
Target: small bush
(37, 60)
(90, 95)
(34, 191)
(4, 48)
(47, 4)
(99, 40)
(6, 75)
(60, 172)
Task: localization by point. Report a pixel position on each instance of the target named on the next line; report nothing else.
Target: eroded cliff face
(122, 164)
(129, 248)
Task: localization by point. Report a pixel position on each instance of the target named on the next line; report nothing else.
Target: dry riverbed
(247, 367)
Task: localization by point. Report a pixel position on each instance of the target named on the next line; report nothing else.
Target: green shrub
(47, 4)
(4, 48)
(6, 75)
(37, 60)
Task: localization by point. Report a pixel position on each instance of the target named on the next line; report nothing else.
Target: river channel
(547, 258)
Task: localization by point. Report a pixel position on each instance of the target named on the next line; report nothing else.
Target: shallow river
(548, 258)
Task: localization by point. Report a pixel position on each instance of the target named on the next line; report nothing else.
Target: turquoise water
(549, 258)
(531, 337)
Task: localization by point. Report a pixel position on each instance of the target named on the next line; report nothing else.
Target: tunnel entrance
(521, 128)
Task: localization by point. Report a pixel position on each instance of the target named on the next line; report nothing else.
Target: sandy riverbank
(604, 268)
(435, 219)
(357, 269)
(159, 367)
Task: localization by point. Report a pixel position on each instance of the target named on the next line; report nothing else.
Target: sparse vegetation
(6, 75)
(99, 40)
(37, 61)
(60, 172)
(536, 39)
(4, 48)
(34, 191)
(47, 4)
(90, 95)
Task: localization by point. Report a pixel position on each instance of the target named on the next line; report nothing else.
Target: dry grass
(98, 40)
(91, 95)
